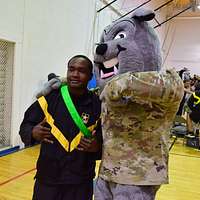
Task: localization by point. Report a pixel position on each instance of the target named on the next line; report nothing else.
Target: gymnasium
(39, 37)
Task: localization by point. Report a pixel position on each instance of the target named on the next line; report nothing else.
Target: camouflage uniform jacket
(137, 113)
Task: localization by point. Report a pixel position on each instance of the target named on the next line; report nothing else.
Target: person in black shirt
(66, 164)
(187, 93)
(194, 105)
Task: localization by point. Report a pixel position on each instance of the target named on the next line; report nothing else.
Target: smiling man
(66, 164)
(78, 75)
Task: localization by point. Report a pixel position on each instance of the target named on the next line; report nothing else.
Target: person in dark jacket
(187, 93)
(194, 105)
(66, 164)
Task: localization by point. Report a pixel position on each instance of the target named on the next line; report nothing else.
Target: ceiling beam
(111, 7)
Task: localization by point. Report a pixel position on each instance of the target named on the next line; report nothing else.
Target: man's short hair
(90, 64)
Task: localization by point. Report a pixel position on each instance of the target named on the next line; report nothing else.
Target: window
(6, 68)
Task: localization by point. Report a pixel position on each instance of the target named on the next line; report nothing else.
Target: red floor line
(16, 177)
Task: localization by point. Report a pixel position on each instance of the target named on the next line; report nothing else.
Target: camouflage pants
(111, 191)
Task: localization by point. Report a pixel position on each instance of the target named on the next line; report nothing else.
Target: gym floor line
(16, 177)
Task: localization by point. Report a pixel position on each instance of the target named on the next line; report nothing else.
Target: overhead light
(196, 3)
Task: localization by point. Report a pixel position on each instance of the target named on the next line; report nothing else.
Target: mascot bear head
(129, 44)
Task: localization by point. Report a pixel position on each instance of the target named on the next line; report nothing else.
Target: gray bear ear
(143, 15)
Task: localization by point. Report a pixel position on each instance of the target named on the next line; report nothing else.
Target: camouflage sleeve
(153, 86)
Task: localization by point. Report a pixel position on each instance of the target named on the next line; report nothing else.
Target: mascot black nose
(101, 49)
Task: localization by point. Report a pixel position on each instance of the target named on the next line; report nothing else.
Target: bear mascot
(139, 103)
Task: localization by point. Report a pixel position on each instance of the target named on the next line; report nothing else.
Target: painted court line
(16, 177)
(186, 155)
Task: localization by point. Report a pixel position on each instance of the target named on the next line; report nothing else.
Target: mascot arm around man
(139, 103)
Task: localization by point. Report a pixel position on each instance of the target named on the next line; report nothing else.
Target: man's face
(187, 84)
(78, 73)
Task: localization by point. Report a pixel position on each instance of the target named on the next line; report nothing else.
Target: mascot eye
(119, 35)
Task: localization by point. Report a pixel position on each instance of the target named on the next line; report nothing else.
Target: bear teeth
(110, 63)
(108, 74)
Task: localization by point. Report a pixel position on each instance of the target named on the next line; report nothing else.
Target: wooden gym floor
(17, 171)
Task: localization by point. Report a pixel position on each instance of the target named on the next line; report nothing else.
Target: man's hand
(42, 133)
(88, 144)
